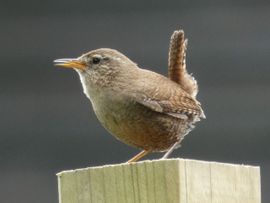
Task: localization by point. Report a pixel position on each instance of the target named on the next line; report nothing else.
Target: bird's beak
(70, 63)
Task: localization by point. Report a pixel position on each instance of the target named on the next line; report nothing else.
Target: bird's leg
(170, 150)
(138, 156)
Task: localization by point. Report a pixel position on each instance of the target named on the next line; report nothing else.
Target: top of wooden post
(164, 181)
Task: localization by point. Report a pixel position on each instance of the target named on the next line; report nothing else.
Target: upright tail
(177, 64)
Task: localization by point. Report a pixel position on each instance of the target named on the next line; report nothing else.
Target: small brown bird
(139, 107)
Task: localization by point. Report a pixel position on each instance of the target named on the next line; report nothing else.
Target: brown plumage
(177, 64)
(139, 107)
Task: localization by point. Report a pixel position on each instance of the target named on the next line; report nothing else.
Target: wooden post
(164, 181)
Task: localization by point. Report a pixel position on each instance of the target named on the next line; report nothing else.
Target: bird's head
(100, 66)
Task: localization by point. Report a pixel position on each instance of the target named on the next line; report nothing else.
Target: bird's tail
(177, 64)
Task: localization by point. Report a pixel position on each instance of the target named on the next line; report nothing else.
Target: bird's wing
(174, 102)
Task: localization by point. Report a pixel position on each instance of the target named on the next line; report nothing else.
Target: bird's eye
(96, 60)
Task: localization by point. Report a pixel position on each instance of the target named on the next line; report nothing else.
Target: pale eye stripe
(96, 56)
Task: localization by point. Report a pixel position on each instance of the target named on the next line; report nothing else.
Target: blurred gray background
(47, 124)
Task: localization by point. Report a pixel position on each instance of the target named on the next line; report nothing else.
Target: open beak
(70, 63)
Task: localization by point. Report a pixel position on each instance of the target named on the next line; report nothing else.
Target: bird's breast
(137, 125)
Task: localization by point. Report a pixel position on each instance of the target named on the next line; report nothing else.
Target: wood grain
(172, 181)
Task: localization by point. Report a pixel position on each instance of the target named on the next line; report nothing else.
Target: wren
(139, 107)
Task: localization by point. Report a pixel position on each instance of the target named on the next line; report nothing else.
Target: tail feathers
(177, 64)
